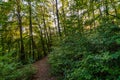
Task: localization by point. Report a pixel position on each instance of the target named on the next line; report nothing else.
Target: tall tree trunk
(106, 9)
(31, 31)
(57, 14)
(88, 15)
(46, 32)
(41, 36)
(64, 18)
(50, 38)
(55, 23)
(22, 53)
(93, 13)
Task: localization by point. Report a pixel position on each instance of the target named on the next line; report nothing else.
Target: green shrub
(12, 70)
(64, 57)
(93, 56)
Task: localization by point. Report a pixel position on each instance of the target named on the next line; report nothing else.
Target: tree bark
(41, 37)
(57, 14)
(32, 45)
(22, 54)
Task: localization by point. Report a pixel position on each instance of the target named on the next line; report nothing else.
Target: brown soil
(43, 72)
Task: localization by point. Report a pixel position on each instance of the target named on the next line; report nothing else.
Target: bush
(12, 70)
(68, 54)
(93, 56)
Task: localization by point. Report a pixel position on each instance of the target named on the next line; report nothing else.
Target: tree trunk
(31, 31)
(58, 23)
(41, 37)
(22, 54)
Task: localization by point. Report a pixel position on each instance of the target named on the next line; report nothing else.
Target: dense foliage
(94, 56)
(85, 35)
(90, 49)
(11, 69)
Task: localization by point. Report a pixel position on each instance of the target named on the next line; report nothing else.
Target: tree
(32, 44)
(57, 14)
(22, 53)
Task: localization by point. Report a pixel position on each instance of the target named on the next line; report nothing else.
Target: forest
(76, 39)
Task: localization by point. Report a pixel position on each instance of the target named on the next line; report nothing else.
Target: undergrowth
(88, 56)
(11, 69)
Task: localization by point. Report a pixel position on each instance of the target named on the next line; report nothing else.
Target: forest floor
(43, 70)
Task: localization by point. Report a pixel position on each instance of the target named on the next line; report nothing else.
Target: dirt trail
(43, 73)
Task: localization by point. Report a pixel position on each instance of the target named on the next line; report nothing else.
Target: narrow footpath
(43, 70)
